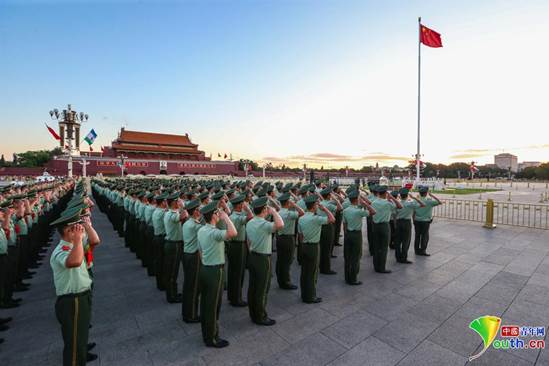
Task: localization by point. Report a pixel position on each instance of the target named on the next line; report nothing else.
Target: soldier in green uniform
(423, 217)
(383, 205)
(328, 230)
(173, 245)
(404, 225)
(237, 250)
(392, 222)
(352, 246)
(338, 194)
(191, 263)
(285, 241)
(211, 244)
(6, 290)
(259, 232)
(310, 227)
(158, 239)
(72, 287)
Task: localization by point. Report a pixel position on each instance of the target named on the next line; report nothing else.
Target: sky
(325, 83)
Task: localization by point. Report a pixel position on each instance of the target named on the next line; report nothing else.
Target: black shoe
(4, 327)
(91, 346)
(357, 283)
(316, 300)
(338, 245)
(1, 340)
(190, 320)
(90, 357)
(90, 326)
(20, 289)
(267, 322)
(178, 299)
(5, 320)
(407, 262)
(16, 300)
(384, 271)
(329, 273)
(217, 343)
(333, 256)
(26, 277)
(9, 305)
(30, 273)
(239, 304)
(289, 287)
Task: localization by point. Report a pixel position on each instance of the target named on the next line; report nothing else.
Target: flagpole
(418, 100)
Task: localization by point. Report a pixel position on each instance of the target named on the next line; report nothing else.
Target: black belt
(74, 295)
(403, 219)
(291, 235)
(310, 242)
(261, 254)
(381, 223)
(353, 231)
(214, 265)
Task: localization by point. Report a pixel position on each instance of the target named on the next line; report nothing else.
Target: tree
(31, 159)
(2, 161)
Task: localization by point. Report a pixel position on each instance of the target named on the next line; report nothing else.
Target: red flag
(429, 37)
(53, 133)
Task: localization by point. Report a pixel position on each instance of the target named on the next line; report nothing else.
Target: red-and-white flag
(53, 133)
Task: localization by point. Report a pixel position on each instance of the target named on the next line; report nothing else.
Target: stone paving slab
(419, 314)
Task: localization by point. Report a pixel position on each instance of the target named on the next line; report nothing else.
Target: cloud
(468, 155)
(477, 151)
(338, 160)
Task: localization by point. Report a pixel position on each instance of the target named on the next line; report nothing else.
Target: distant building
(506, 161)
(528, 164)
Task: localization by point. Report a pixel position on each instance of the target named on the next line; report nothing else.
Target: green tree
(31, 159)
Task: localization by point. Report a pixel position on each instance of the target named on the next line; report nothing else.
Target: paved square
(418, 315)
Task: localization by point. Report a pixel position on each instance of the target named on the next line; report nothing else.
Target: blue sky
(331, 83)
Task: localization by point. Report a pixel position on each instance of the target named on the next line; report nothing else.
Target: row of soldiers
(25, 214)
(200, 223)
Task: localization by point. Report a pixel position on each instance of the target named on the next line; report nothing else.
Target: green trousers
(382, 236)
(285, 249)
(309, 270)
(73, 313)
(337, 227)
(259, 266)
(326, 244)
(191, 269)
(236, 265)
(352, 253)
(421, 229)
(403, 237)
(172, 258)
(158, 260)
(211, 292)
(370, 234)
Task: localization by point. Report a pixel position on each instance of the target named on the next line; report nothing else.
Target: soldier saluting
(72, 287)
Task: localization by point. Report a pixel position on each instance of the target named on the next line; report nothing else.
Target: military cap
(230, 191)
(172, 196)
(269, 188)
(210, 207)
(423, 189)
(261, 193)
(394, 194)
(68, 218)
(312, 188)
(192, 204)
(161, 196)
(259, 202)
(353, 194)
(203, 196)
(303, 189)
(325, 191)
(218, 196)
(284, 197)
(374, 188)
(141, 194)
(6, 203)
(150, 196)
(311, 199)
(238, 199)
(351, 188)
(285, 189)
(382, 189)
(404, 191)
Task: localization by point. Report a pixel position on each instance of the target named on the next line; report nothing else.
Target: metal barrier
(495, 213)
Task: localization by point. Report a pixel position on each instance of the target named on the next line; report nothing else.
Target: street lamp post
(69, 131)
